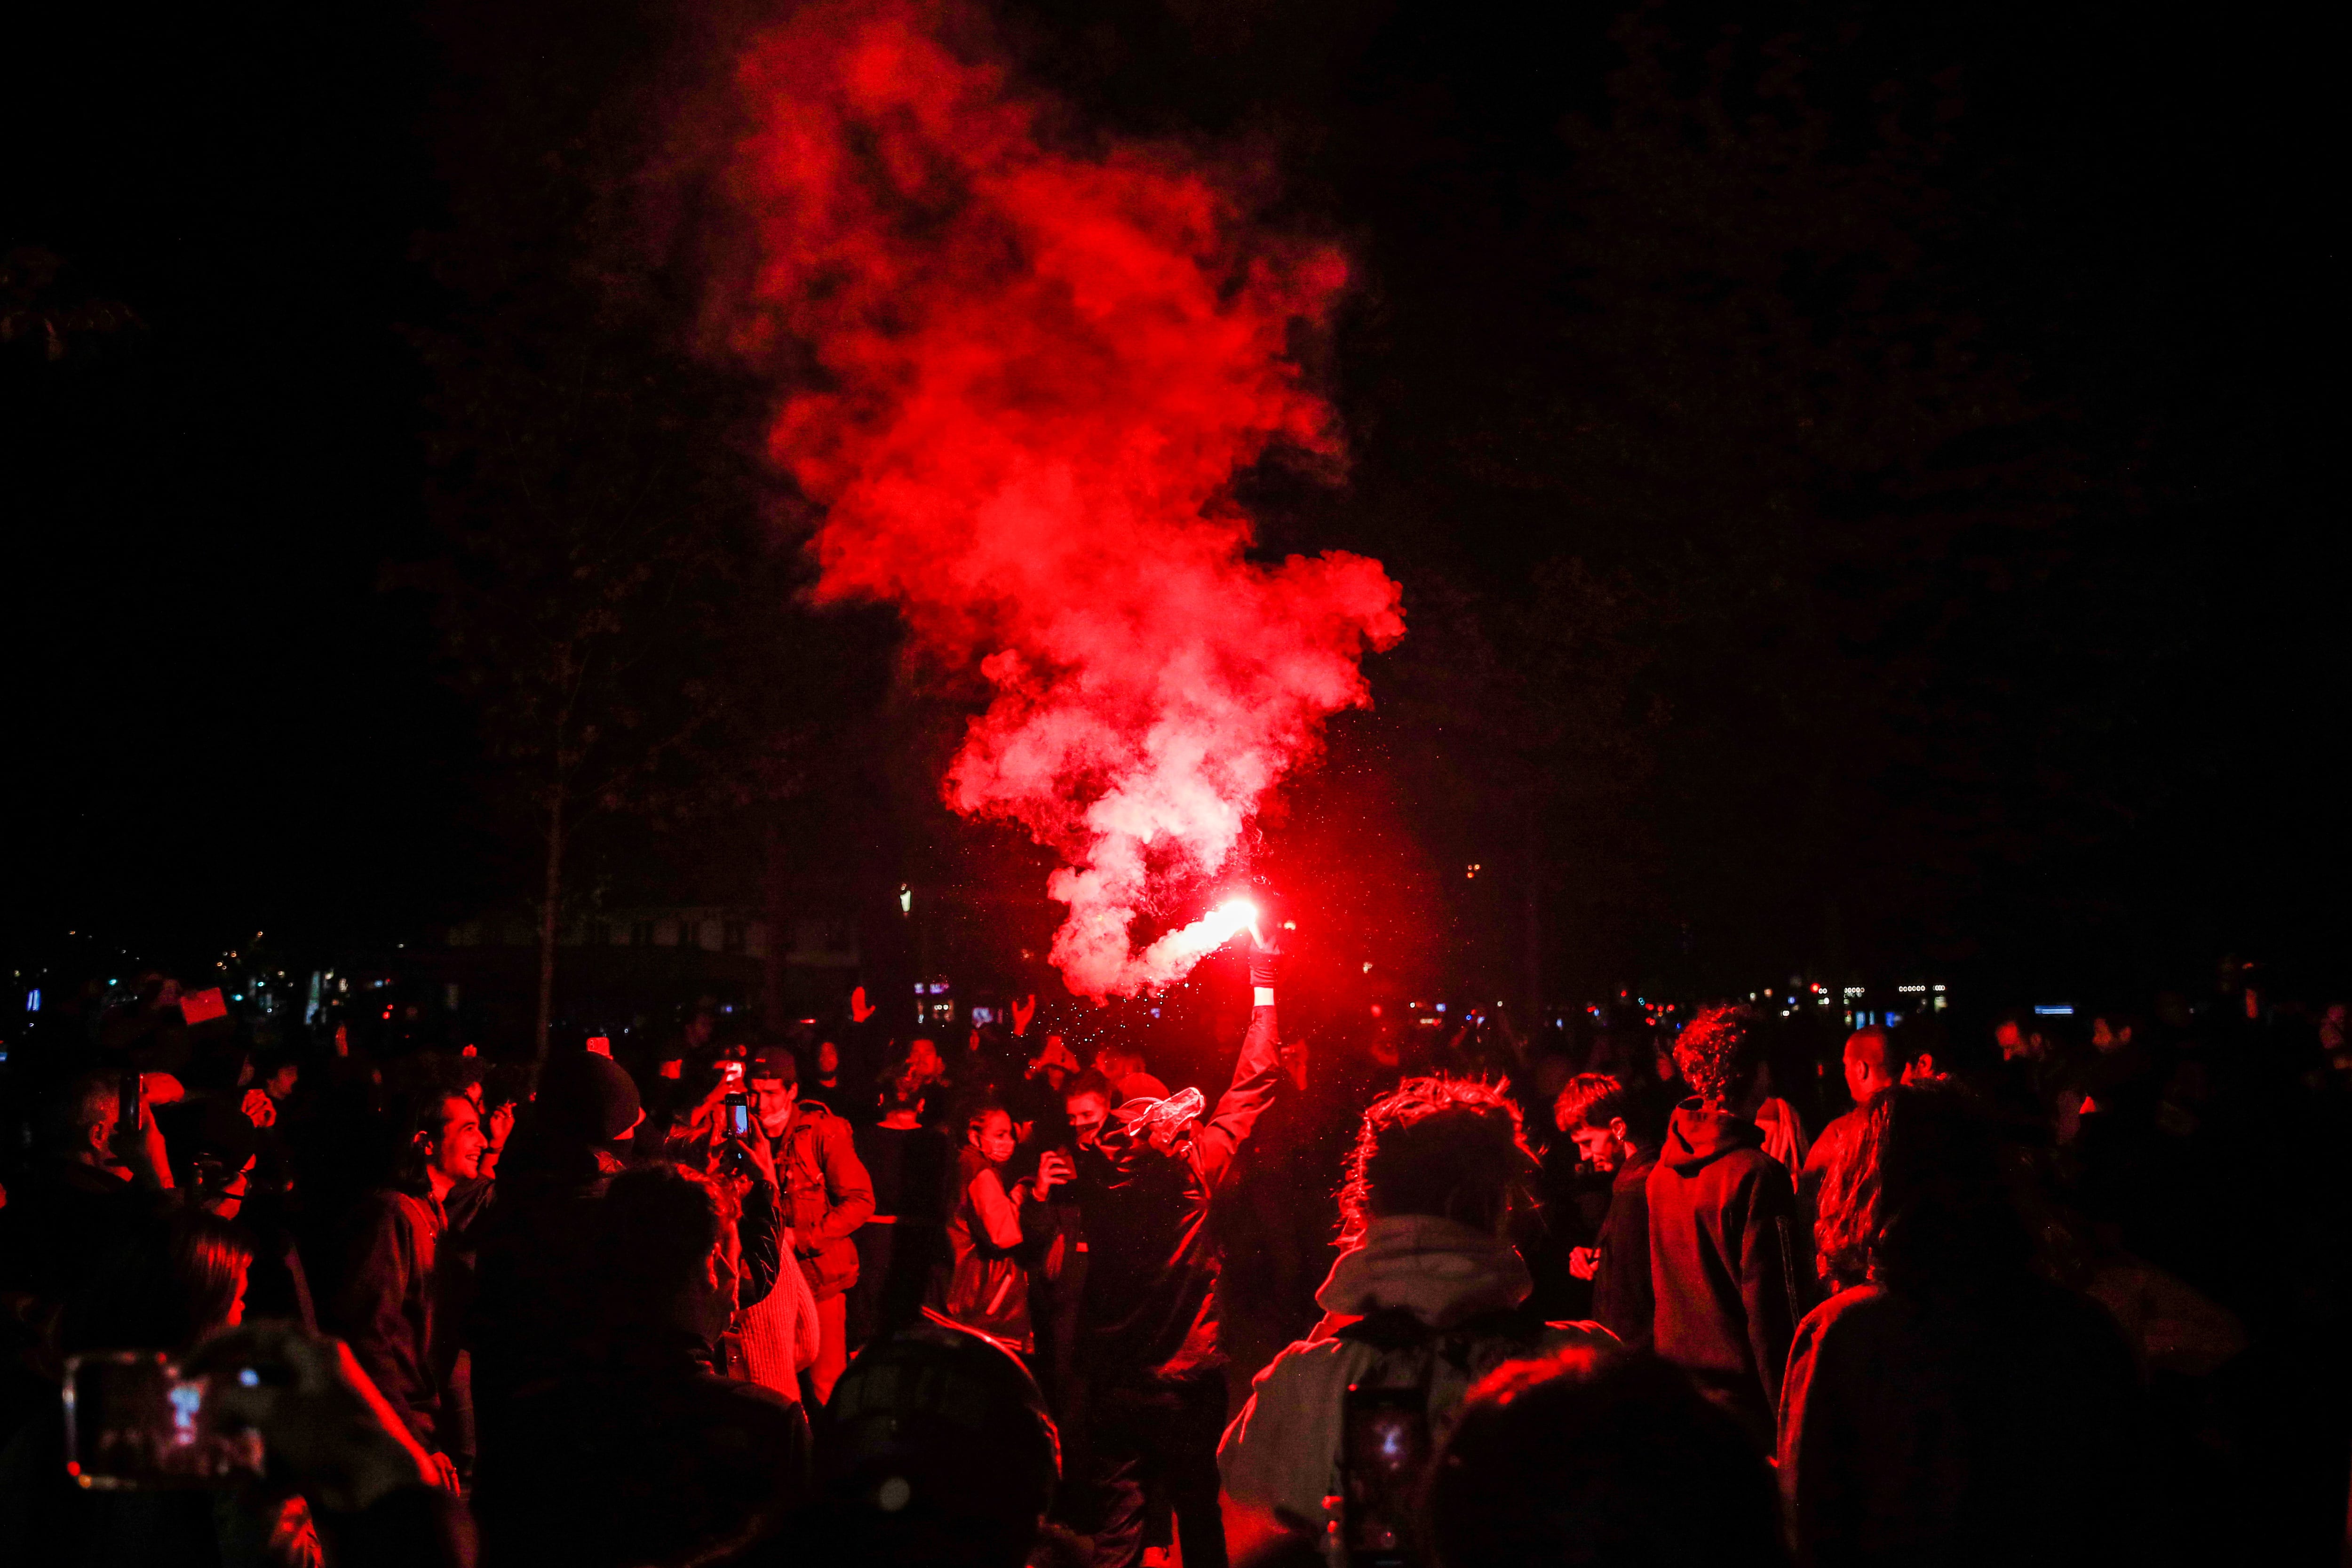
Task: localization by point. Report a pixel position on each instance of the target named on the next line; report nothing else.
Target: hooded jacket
(1282, 1451)
(1724, 1262)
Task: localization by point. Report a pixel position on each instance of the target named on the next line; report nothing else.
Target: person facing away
(1605, 1460)
(1724, 1255)
(1598, 1113)
(1148, 1350)
(1426, 1294)
(982, 1283)
(1958, 1407)
(1871, 1065)
(827, 1195)
(638, 1453)
(388, 1299)
(909, 1165)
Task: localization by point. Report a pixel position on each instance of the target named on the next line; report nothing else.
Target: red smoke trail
(1036, 372)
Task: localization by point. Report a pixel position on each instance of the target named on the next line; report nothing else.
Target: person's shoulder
(1314, 1360)
(1567, 1335)
(1859, 1304)
(748, 1403)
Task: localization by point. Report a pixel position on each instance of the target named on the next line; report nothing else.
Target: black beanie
(589, 1098)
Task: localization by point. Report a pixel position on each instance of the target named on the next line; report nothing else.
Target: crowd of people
(1629, 1296)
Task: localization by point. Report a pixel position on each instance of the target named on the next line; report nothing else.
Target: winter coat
(1998, 1426)
(827, 1195)
(1282, 1451)
(1621, 1298)
(638, 1453)
(1150, 1312)
(1725, 1261)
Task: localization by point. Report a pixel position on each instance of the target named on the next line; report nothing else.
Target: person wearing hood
(1724, 1257)
(1427, 1294)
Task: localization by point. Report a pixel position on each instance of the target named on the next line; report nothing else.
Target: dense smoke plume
(1030, 368)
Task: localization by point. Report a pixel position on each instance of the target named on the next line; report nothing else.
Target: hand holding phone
(1384, 1448)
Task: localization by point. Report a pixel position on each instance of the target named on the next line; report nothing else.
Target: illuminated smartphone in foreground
(133, 1423)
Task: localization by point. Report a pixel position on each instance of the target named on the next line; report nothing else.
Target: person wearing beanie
(538, 1245)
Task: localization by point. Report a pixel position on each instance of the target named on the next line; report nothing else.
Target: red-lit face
(923, 1059)
(828, 1059)
(2012, 1041)
(457, 1153)
(1088, 1114)
(771, 1103)
(1602, 1148)
(229, 1201)
(993, 1138)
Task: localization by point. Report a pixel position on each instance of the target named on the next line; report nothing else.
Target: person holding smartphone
(983, 1283)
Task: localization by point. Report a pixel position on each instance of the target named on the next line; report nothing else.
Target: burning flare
(1026, 376)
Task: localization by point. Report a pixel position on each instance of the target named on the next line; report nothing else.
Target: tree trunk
(549, 905)
(779, 947)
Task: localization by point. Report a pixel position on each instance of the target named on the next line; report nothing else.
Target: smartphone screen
(1384, 1448)
(133, 1423)
(739, 1117)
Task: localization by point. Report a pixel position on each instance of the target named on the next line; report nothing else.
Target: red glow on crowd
(1032, 367)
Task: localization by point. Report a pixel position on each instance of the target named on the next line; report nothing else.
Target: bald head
(1868, 1055)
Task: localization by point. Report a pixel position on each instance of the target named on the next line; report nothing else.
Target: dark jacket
(1724, 1261)
(638, 1453)
(385, 1303)
(2000, 1426)
(1149, 1312)
(1623, 1300)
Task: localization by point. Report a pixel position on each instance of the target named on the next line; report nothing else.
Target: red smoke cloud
(1033, 372)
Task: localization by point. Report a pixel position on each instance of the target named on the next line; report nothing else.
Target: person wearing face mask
(982, 1283)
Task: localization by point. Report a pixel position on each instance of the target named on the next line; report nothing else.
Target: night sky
(2114, 716)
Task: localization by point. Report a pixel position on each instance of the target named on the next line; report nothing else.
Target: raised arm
(1257, 1073)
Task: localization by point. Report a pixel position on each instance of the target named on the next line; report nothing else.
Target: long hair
(165, 1286)
(1445, 1146)
(1917, 1200)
